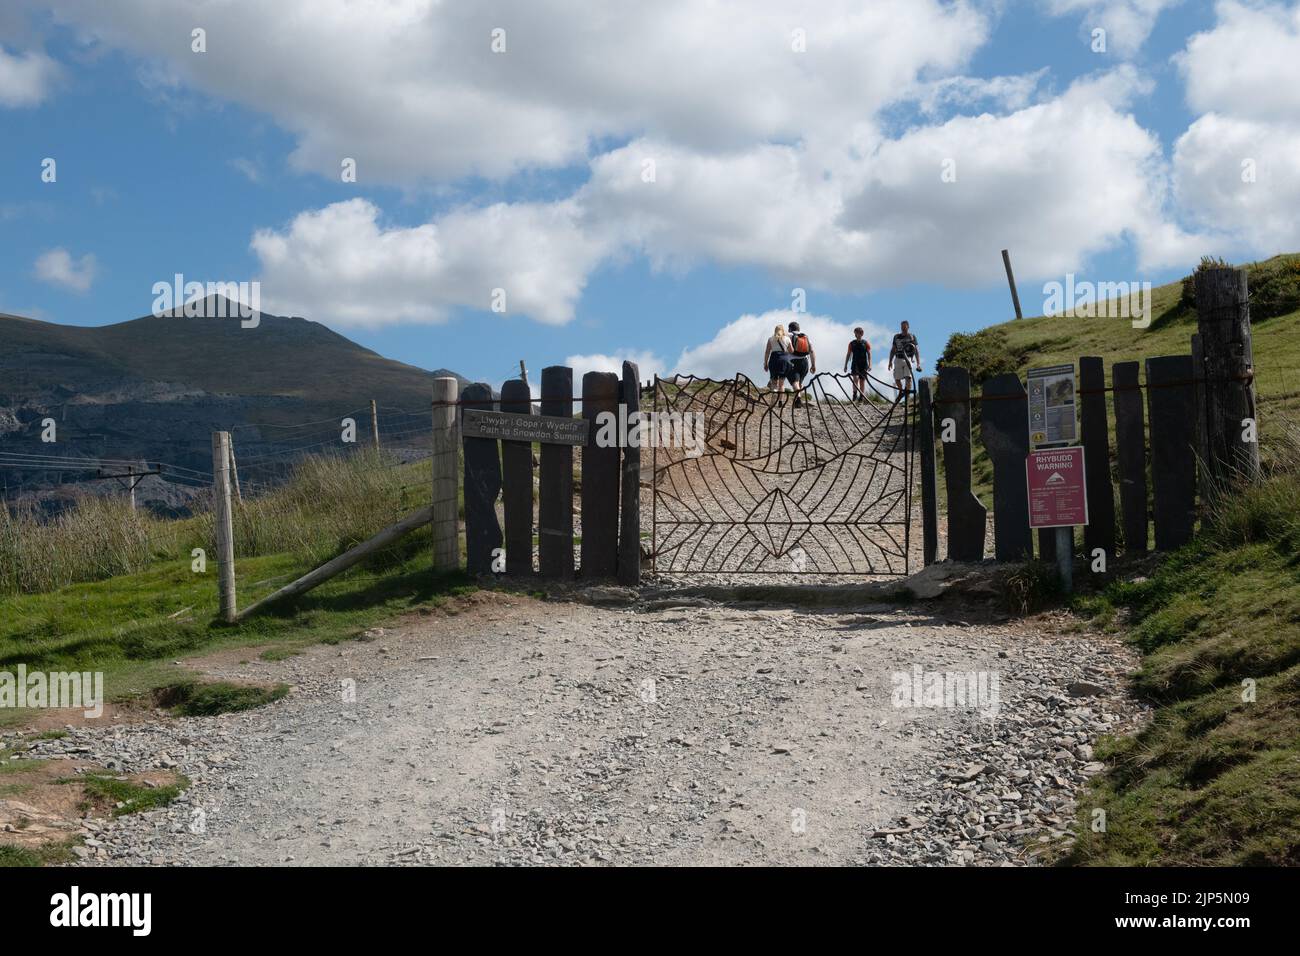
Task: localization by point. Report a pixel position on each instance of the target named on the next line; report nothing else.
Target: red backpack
(800, 344)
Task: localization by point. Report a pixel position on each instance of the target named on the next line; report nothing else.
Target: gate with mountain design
(763, 486)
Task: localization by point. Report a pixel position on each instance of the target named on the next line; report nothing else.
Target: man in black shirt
(904, 354)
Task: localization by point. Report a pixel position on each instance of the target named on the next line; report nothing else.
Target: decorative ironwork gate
(745, 482)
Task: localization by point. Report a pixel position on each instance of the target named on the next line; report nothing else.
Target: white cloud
(340, 265)
(1236, 170)
(247, 168)
(648, 365)
(1127, 23)
(26, 79)
(413, 91)
(57, 267)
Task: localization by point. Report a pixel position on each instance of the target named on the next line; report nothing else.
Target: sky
(571, 183)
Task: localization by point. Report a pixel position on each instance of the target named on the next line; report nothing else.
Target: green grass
(127, 797)
(134, 627)
(49, 854)
(195, 699)
(1215, 778)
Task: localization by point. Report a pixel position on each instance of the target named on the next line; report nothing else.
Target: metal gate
(746, 482)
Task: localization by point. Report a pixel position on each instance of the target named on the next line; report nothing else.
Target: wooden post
(629, 544)
(223, 525)
(1130, 448)
(446, 538)
(1011, 281)
(1094, 433)
(234, 474)
(555, 504)
(599, 479)
(130, 485)
(374, 424)
(517, 483)
(523, 373)
(967, 516)
(1173, 455)
(929, 476)
(1223, 320)
(482, 486)
(1004, 429)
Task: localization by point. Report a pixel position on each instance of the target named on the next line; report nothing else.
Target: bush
(984, 354)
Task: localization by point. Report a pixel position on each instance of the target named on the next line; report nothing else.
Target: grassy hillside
(1215, 777)
(1022, 344)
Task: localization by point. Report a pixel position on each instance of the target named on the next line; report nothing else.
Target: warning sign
(1057, 495)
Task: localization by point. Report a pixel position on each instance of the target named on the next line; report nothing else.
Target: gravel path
(514, 731)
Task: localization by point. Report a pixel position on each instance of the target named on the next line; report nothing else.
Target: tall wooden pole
(446, 441)
(130, 484)
(1011, 281)
(374, 424)
(224, 525)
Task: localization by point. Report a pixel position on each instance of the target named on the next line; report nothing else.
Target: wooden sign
(547, 429)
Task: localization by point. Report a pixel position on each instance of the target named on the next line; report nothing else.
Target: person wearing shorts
(802, 360)
(859, 353)
(904, 350)
(776, 360)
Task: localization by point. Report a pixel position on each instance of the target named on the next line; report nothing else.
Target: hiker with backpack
(859, 353)
(904, 352)
(802, 360)
(776, 360)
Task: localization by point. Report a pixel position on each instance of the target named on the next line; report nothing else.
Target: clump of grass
(194, 699)
(126, 797)
(1031, 587)
(47, 854)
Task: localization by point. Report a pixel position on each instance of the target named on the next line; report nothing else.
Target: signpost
(1054, 469)
(547, 429)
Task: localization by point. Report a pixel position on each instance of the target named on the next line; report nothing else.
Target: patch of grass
(126, 797)
(48, 854)
(1215, 778)
(194, 699)
(1032, 587)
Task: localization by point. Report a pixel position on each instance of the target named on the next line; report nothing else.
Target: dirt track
(523, 732)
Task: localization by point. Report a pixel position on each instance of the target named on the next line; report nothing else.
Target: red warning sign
(1057, 495)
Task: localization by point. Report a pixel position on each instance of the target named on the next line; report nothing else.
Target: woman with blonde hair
(776, 359)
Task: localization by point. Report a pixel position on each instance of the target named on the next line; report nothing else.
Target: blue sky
(522, 172)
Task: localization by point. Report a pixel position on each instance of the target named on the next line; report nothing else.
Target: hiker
(859, 353)
(802, 360)
(903, 352)
(776, 360)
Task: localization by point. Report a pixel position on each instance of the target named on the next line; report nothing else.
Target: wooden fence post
(629, 544)
(1094, 434)
(517, 482)
(1173, 458)
(1004, 427)
(482, 486)
(599, 479)
(1223, 320)
(446, 538)
(1130, 448)
(929, 480)
(555, 505)
(374, 424)
(224, 526)
(966, 515)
